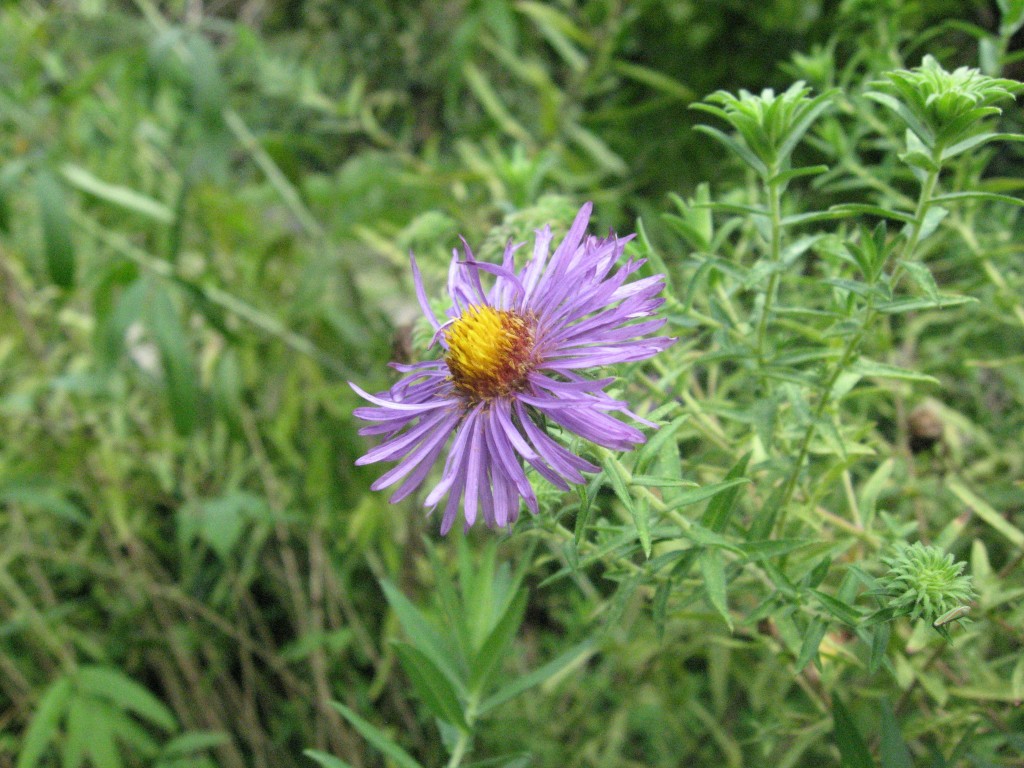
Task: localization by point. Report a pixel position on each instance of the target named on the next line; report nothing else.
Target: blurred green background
(205, 215)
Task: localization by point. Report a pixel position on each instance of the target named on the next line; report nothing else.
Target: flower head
(924, 582)
(945, 110)
(515, 357)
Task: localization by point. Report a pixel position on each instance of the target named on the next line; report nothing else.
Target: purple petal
(598, 428)
(454, 464)
(564, 462)
(506, 279)
(534, 268)
(392, 405)
(451, 508)
(421, 293)
(412, 459)
(502, 413)
(394, 449)
(507, 465)
(474, 469)
(416, 478)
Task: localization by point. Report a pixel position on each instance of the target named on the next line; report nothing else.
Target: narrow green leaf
(582, 516)
(795, 173)
(598, 150)
(740, 150)
(818, 573)
(920, 160)
(702, 537)
(901, 306)
(477, 582)
(496, 646)
(655, 263)
(78, 731)
(986, 512)
(559, 30)
(712, 569)
(873, 210)
(42, 729)
(813, 218)
(649, 481)
(853, 752)
(40, 494)
(493, 104)
(1017, 680)
(815, 108)
(879, 646)
(743, 210)
(659, 606)
(114, 685)
(427, 640)
(990, 197)
(649, 451)
(894, 752)
(194, 741)
(812, 641)
(122, 197)
(444, 588)
(639, 511)
(377, 738)
(934, 216)
(209, 92)
(538, 676)
(976, 141)
(431, 684)
(764, 518)
(132, 736)
(222, 520)
(867, 503)
(99, 743)
(123, 299)
(57, 244)
(923, 277)
(720, 509)
(845, 613)
(11, 173)
(771, 548)
(866, 367)
(922, 131)
(696, 495)
(656, 80)
(179, 371)
(325, 760)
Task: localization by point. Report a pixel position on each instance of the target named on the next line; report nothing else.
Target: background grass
(205, 215)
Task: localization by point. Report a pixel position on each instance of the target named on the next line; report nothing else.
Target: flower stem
(460, 750)
(465, 736)
(852, 347)
(775, 256)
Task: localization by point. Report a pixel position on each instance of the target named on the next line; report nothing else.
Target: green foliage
(769, 125)
(205, 218)
(91, 707)
(924, 582)
(944, 111)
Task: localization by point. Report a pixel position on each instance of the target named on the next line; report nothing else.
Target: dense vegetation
(206, 211)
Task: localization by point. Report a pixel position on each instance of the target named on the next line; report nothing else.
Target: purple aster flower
(513, 359)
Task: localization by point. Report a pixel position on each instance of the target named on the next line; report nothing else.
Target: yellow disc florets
(490, 352)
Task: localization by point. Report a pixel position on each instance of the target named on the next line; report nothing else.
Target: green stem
(460, 749)
(775, 256)
(852, 347)
(924, 201)
(462, 744)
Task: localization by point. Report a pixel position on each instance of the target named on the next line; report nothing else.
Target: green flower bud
(923, 582)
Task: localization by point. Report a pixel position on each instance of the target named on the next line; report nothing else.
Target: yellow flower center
(490, 352)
